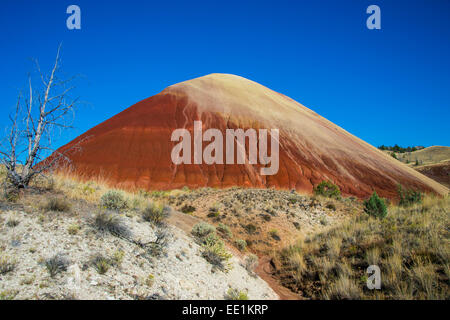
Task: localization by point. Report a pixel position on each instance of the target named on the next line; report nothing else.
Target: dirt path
(265, 271)
(182, 221)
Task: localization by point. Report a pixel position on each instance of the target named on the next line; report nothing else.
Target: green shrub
(408, 197)
(327, 189)
(101, 264)
(155, 213)
(117, 258)
(8, 294)
(275, 234)
(213, 250)
(56, 264)
(73, 229)
(225, 230)
(240, 244)
(293, 199)
(214, 211)
(188, 209)
(236, 294)
(375, 206)
(203, 229)
(113, 200)
(250, 228)
(150, 280)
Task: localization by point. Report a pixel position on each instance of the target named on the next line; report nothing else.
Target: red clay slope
(133, 149)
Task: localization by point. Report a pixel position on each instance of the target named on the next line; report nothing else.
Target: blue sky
(385, 86)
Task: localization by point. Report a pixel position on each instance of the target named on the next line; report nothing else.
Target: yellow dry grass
(426, 156)
(411, 247)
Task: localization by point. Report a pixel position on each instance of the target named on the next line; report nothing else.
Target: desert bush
(214, 211)
(10, 194)
(143, 193)
(88, 188)
(202, 229)
(155, 213)
(101, 263)
(327, 189)
(150, 280)
(112, 223)
(225, 230)
(113, 200)
(117, 258)
(73, 229)
(158, 247)
(250, 228)
(331, 206)
(275, 234)
(213, 250)
(375, 206)
(188, 209)
(56, 264)
(57, 204)
(236, 294)
(8, 294)
(251, 262)
(12, 222)
(293, 199)
(240, 244)
(408, 197)
(6, 265)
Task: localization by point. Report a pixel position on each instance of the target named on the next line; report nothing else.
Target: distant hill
(434, 162)
(426, 156)
(397, 148)
(439, 172)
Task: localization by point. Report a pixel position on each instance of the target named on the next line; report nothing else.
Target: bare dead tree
(37, 116)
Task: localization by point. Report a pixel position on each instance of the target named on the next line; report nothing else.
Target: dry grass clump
(56, 264)
(155, 213)
(57, 204)
(236, 294)
(101, 263)
(6, 265)
(251, 262)
(112, 223)
(12, 222)
(410, 246)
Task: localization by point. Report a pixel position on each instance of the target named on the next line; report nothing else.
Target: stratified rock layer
(132, 150)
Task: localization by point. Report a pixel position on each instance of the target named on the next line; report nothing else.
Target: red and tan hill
(132, 150)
